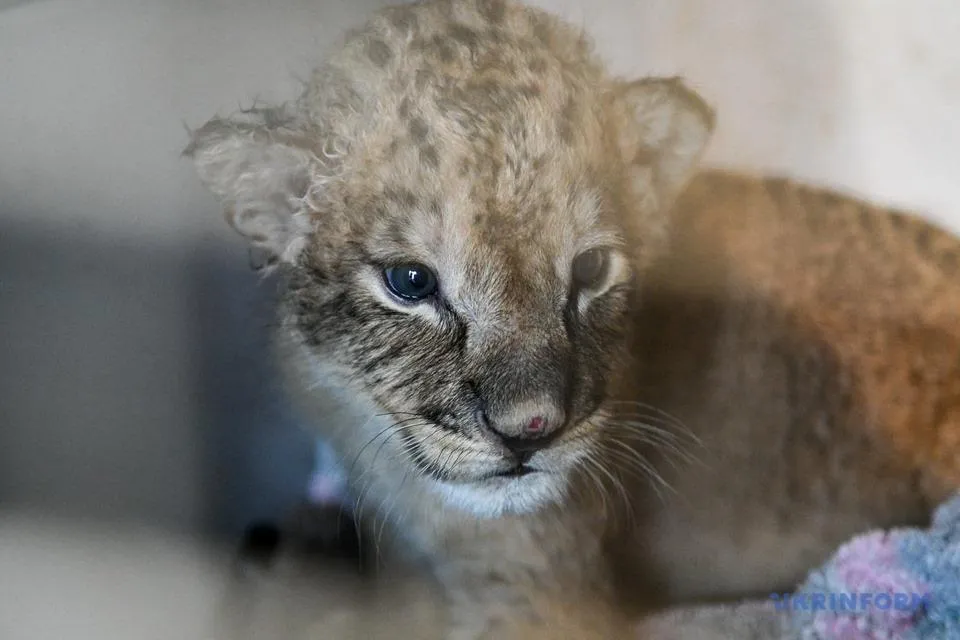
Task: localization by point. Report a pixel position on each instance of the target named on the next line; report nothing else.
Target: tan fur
(802, 346)
(818, 360)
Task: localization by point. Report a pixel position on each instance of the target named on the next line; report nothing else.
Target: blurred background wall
(133, 375)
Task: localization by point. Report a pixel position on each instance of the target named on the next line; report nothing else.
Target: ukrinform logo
(852, 601)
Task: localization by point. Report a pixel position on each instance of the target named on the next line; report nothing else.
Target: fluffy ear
(668, 128)
(258, 164)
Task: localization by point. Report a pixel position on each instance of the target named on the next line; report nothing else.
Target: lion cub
(569, 379)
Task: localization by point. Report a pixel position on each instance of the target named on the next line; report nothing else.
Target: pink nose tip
(536, 425)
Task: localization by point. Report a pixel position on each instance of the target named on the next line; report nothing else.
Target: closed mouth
(517, 472)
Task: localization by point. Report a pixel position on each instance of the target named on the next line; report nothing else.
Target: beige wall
(129, 325)
(863, 94)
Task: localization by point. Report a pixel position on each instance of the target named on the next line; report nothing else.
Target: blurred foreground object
(66, 579)
(74, 580)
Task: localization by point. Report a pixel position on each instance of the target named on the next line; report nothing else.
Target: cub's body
(602, 387)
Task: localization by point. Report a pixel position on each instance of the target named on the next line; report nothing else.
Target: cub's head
(462, 203)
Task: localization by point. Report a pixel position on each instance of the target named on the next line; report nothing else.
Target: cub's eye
(411, 281)
(590, 268)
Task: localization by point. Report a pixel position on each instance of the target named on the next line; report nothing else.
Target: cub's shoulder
(776, 216)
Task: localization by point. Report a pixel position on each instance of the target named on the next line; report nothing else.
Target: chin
(506, 495)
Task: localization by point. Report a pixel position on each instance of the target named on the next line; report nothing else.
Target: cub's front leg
(524, 613)
(537, 576)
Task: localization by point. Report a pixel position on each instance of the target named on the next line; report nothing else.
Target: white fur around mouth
(504, 493)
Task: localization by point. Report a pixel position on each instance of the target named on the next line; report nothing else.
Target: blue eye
(411, 281)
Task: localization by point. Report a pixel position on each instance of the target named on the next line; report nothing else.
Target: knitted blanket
(901, 584)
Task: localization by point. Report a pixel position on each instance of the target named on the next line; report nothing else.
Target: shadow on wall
(257, 460)
(122, 397)
(135, 383)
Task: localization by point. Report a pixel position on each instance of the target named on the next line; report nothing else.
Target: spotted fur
(807, 340)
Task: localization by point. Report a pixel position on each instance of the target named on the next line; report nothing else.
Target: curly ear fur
(671, 126)
(259, 164)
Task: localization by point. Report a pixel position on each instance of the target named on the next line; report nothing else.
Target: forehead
(506, 165)
(490, 196)
(475, 134)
